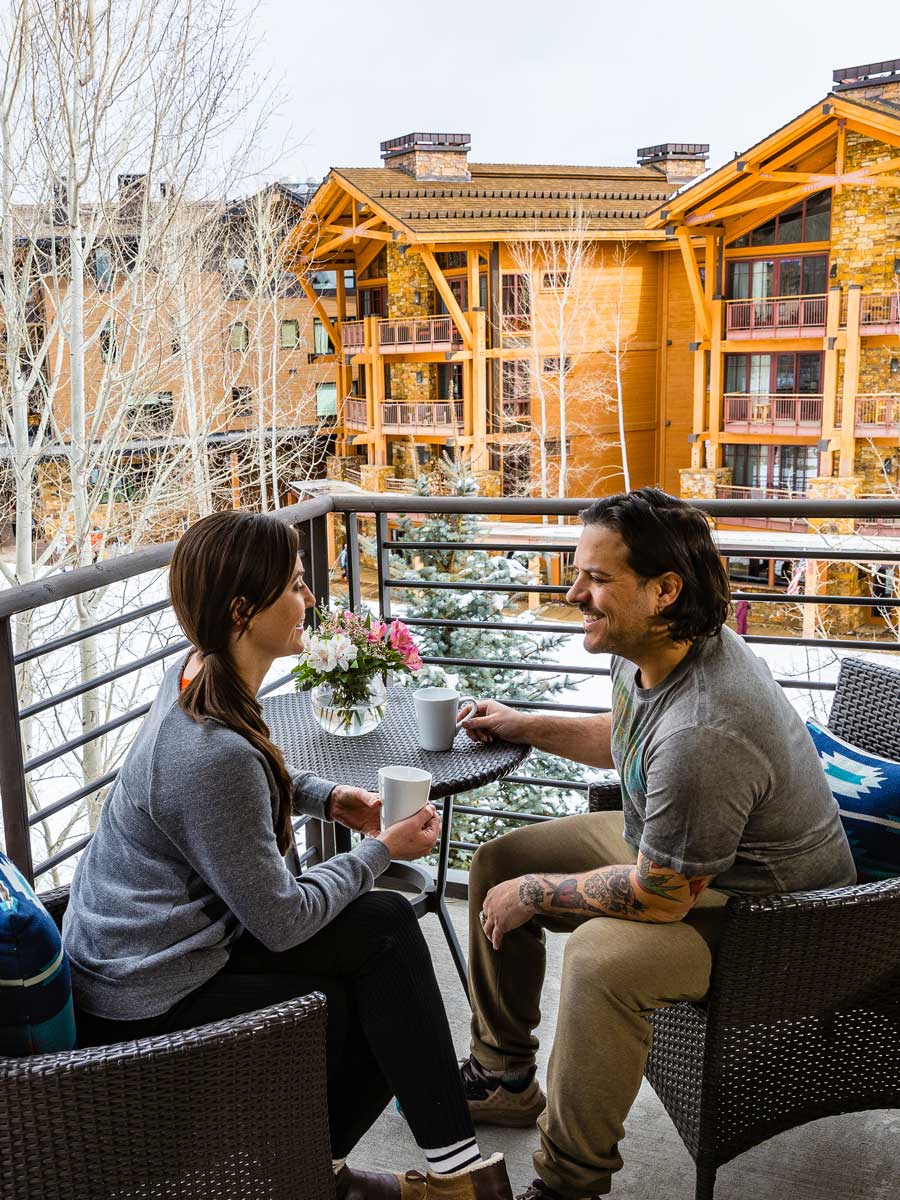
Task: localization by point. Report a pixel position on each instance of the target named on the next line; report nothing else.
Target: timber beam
(319, 309)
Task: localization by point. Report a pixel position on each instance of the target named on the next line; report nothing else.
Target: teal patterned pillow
(867, 790)
(36, 1014)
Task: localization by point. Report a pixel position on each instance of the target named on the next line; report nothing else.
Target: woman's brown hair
(227, 568)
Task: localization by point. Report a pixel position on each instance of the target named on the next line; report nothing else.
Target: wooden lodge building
(740, 326)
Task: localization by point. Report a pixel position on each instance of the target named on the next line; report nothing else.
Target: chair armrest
(807, 954)
(236, 1103)
(604, 797)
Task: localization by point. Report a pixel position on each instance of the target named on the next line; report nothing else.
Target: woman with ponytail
(183, 910)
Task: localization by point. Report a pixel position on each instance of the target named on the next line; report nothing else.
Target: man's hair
(662, 533)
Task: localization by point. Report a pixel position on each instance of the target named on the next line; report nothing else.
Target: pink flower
(377, 632)
(401, 640)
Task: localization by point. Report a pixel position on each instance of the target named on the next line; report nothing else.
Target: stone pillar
(336, 464)
(490, 483)
(373, 478)
(834, 578)
(410, 294)
(700, 483)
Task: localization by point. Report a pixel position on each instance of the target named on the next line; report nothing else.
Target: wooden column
(830, 374)
(851, 382)
(716, 380)
(378, 455)
(480, 459)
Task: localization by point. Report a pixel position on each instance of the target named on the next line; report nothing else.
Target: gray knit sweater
(185, 858)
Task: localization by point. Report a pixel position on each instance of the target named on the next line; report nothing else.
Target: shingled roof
(511, 199)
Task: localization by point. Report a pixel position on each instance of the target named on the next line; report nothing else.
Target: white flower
(325, 655)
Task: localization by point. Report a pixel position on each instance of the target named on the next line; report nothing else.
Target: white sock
(337, 1164)
(445, 1160)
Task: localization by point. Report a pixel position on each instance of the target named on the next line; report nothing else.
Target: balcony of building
(437, 417)
(879, 313)
(47, 820)
(877, 415)
(408, 335)
(775, 317)
(790, 415)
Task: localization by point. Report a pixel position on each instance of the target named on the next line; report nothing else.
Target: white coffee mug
(403, 791)
(437, 714)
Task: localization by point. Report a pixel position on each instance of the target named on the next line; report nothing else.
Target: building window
(451, 260)
(290, 335)
(554, 281)
(516, 468)
(377, 268)
(782, 467)
(109, 346)
(241, 401)
(240, 336)
(372, 302)
(326, 399)
(153, 413)
(516, 392)
(103, 269)
(773, 374)
(176, 336)
(460, 290)
(553, 447)
(551, 366)
(321, 340)
(759, 279)
(809, 221)
(450, 381)
(516, 302)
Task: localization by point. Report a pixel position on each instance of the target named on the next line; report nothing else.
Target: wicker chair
(803, 1015)
(234, 1110)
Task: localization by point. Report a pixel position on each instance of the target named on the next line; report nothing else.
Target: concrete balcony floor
(852, 1157)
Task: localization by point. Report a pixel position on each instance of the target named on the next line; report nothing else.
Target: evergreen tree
(443, 641)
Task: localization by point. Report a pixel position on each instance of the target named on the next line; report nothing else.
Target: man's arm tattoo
(605, 892)
(654, 880)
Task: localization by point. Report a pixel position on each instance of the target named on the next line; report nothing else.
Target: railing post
(314, 548)
(13, 791)
(351, 542)
(383, 559)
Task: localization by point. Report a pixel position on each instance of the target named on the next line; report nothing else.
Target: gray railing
(311, 518)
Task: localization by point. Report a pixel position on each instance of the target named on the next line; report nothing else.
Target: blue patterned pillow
(867, 790)
(36, 1015)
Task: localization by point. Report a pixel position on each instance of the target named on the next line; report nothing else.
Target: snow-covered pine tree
(444, 641)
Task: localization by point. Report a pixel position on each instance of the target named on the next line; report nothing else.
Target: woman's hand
(354, 807)
(414, 836)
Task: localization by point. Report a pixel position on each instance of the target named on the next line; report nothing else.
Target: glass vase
(349, 715)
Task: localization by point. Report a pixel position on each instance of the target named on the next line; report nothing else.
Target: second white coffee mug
(437, 714)
(403, 790)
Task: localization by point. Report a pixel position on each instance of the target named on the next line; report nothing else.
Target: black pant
(387, 1028)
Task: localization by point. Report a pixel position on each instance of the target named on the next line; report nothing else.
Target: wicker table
(356, 761)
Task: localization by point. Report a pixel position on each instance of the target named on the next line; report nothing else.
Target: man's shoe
(538, 1190)
(371, 1185)
(485, 1181)
(491, 1102)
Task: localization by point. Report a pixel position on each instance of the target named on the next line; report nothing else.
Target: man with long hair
(722, 794)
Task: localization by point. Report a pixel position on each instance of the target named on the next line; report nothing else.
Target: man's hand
(503, 911)
(354, 807)
(492, 720)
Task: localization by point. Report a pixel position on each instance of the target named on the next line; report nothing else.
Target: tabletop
(355, 760)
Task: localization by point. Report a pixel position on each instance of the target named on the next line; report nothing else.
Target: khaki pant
(615, 973)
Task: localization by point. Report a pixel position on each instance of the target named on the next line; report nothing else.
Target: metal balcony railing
(355, 415)
(750, 412)
(878, 415)
(45, 824)
(776, 316)
(879, 312)
(418, 334)
(434, 416)
(353, 335)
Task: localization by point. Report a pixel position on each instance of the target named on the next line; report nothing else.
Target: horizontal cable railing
(26, 811)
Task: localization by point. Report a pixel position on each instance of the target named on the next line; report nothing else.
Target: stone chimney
(680, 161)
(442, 156)
(130, 197)
(872, 81)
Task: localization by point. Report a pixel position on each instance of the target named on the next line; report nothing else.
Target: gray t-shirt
(720, 777)
(185, 858)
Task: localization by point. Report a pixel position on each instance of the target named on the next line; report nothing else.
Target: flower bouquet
(346, 663)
